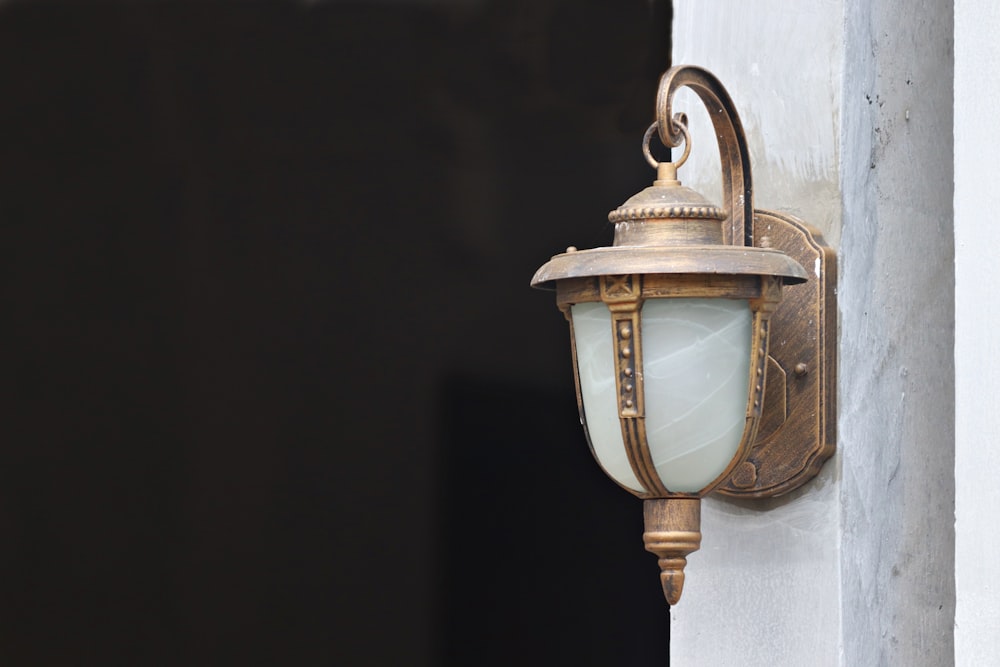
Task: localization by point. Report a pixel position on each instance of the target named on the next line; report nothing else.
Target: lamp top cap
(666, 199)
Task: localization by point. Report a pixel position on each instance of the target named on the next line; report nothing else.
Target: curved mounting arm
(737, 183)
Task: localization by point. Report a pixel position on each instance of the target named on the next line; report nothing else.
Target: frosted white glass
(596, 365)
(696, 370)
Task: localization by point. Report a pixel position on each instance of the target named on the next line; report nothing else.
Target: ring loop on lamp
(679, 121)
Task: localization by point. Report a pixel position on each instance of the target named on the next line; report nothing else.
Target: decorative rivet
(628, 387)
(801, 369)
(571, 248)
(745, 475)
(758, 387)
(626, 352)
(626, 331)
(629, 403)
(628, 372)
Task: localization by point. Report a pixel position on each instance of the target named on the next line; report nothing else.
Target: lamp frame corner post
(668, 243)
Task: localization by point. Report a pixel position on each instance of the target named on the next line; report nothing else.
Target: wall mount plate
(797, 431)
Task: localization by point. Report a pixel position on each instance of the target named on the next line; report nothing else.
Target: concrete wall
(897, 291)
(847, 107)
(977, 344)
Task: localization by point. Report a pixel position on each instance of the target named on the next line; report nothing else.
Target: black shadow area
(541, 554)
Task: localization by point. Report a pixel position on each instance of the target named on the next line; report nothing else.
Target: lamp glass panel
(596, 366)
(696, 373)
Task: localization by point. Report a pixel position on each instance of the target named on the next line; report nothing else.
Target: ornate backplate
(797, 431)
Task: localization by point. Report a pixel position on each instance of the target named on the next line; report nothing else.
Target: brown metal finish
(734, 156)
(672, 243)
(797, 433)
(720, 260)
(627, 327)
(673, 530)
(690, 231)
(583, 290)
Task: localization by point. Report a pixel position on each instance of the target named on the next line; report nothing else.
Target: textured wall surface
(848, 111)
(896, 300)
(977, 343)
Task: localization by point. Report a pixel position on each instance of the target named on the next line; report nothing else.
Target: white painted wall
(847, 106)
(977, 334)
(781, 62)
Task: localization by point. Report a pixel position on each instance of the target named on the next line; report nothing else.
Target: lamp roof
(668, 228)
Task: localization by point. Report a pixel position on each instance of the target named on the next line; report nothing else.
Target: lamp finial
(673, 530)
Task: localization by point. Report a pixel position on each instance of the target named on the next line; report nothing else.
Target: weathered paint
(781, 63)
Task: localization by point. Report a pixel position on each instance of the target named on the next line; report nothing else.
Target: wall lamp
(703, 339)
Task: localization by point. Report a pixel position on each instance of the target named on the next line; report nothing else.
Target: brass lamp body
(671, 243)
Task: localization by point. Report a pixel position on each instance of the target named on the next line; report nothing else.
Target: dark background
(276, 390)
